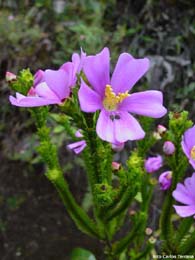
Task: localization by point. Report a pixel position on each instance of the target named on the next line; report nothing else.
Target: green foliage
(124, 243)
(145, 144)
(129, 184)
(23, 82)
(103, 194)
(22, 36)
(178, 123)
(187, 244)
(65, 122)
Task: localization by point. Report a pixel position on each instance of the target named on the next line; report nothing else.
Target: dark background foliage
(44, 34)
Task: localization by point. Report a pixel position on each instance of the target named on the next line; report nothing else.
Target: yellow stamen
(192, 153)
(111, 100)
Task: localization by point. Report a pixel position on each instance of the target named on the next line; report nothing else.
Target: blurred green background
(44, 34)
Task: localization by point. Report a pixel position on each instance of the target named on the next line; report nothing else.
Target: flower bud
(161, 129)
(152, 240)
(168, 148)
(10, 76)
(53, 174)
(78, 133)
(153, 164)
(77, 147)
(156, 136)
(165, 180)
(116, 166)
(132, 212)
(148, 231)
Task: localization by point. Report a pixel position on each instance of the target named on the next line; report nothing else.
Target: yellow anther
(192, 152)
(111, 100)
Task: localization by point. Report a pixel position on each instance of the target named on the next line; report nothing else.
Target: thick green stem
(82, 220)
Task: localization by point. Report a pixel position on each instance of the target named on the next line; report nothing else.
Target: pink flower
(116, 166)
(77, 147)
(168, 148)
(153, 164)
(188, 145)
(161, 129)
(185, 194)
(111, 97)
(165, 180)
(50, 86)
(10, 76)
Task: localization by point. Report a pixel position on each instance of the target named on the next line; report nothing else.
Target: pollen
(112, 100)
(192, 152)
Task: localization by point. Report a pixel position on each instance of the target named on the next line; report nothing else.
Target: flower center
(192, 152)
(112, 100)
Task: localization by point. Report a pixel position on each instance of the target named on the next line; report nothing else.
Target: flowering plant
(96, 111)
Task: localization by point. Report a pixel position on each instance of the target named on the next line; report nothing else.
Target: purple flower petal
(181, 194)
(69, 69)
(78, 61)
(189, 137)
(185, 148)
(190, 186)
(90, 101)
(117, 147)
(115, 127)
(153, 164)
(105, 127)
(188, 141)
(77, 147)
(127, 128)
(185, 211)
(39, 77)
(165, 180)
(23, 101)
(147, 103)
(78, 134)
(97, 70)
(58, 81)
(127, 72)
(42, 90)
(192, 162)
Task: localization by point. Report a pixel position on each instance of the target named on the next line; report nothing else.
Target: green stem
(126, 199)
(177, 166)
(145, 253)
(120, 246)
(79, 216)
